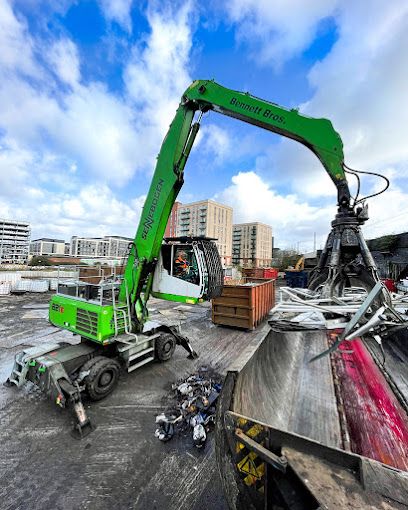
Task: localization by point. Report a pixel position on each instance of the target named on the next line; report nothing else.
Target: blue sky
(89, 87)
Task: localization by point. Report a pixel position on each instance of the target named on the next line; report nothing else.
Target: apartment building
(14, 241)
(118, 246)
(210, 219)
(108, 246)
(171, 228)
(46, 246)
(252, 244)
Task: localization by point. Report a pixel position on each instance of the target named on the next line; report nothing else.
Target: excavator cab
(189, 270)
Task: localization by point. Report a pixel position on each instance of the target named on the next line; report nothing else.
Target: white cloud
(118, 11)
(157, 75)
(22, 175)
(360, 85)
(63, 56)
(56, 122)
(296, 167)
(107, 135)
(214, 140)
(14, 165)
(292, 219)
(370, 110)
(17, 47)
(86, 124)
(60, 133)
(388, 213)
(92, 210)
(100, 130)
(218, 146)
(280, 30)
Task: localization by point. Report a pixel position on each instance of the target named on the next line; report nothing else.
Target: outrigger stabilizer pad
(184, 342)
(83, 426)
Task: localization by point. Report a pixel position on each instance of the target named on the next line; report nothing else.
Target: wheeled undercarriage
(65, 372)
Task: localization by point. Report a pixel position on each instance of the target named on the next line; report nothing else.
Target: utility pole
(314, 241)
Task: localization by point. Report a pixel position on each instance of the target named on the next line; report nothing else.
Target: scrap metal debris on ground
(193, 409)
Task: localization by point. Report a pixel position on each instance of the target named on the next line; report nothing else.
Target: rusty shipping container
(260, 272)
(244, 306)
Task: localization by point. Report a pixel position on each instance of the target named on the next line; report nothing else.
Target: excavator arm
(316, 134)
(202, 95)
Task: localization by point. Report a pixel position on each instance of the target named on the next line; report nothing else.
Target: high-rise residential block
(252, 244)
(108, 246)
(14, 241)
(210, 219)
(47, 246)
(171, 229)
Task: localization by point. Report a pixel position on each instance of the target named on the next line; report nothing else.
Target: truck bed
(341, 422)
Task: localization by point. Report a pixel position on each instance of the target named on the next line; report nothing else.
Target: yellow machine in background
(299, 266)
(296, 276)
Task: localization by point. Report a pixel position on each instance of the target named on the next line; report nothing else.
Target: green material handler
(112, 318)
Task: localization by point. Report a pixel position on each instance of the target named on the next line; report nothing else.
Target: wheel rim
(105, 379)
(167, 347)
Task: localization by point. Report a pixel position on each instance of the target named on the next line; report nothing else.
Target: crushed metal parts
(194, 406)
(356, 313)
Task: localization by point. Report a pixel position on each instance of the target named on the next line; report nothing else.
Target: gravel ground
(121, 464)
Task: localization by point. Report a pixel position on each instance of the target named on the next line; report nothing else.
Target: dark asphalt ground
(121, 465)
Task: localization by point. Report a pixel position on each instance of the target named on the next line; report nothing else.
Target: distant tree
(39, 260)
(385, 243)
(287, 258)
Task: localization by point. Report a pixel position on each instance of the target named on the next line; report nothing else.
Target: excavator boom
(316, 134)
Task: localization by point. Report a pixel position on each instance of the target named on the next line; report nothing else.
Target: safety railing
(95, 284)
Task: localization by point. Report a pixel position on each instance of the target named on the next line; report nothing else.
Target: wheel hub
(105, 378)
(167, 347)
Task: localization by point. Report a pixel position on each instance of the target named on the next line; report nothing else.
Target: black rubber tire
(103, 376)
(165, 346)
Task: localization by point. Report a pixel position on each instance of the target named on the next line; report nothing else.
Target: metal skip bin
(244, 305)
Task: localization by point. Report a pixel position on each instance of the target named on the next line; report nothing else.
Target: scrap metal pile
(376, 314)
(193, 409)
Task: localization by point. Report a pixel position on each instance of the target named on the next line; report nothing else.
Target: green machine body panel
(89, 320)
(178, 299)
